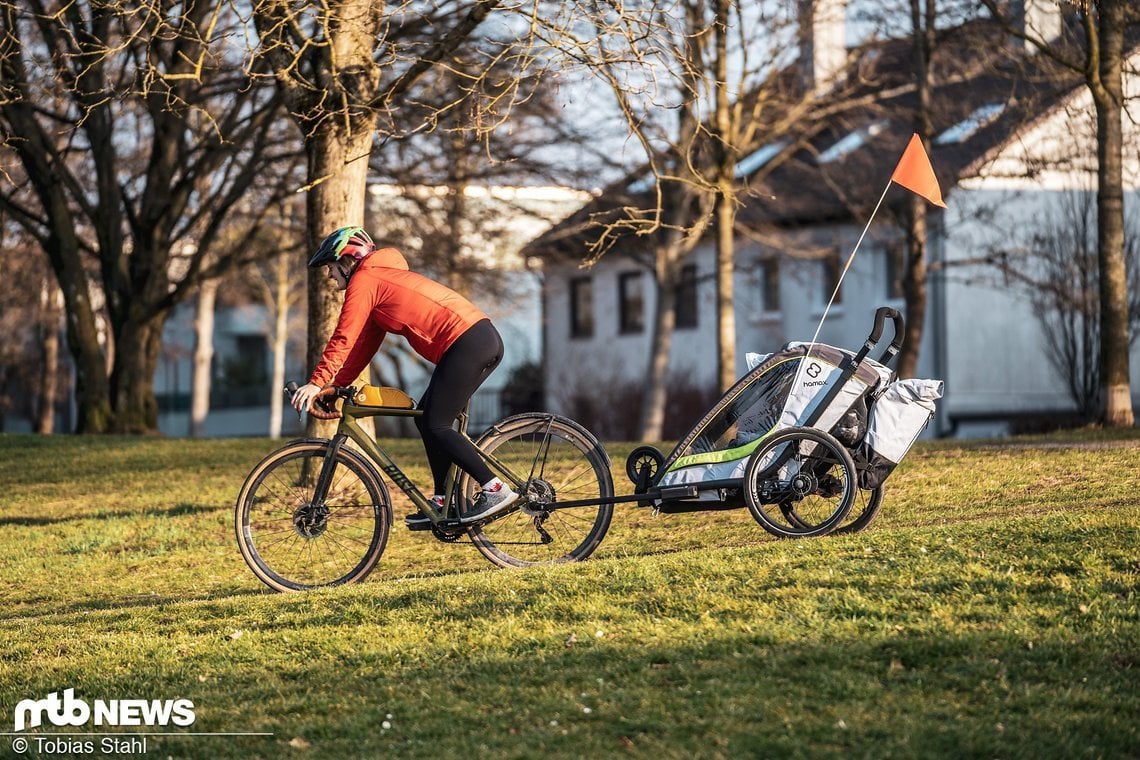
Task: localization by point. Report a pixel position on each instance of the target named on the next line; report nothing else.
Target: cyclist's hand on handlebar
(319, 402)
(303, 398)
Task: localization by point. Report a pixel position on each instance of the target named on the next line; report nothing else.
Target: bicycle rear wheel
(560, 461)
(293, 544)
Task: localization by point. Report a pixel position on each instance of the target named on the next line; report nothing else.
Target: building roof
(834, 163)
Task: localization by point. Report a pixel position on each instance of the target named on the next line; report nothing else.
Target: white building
(1011, 151)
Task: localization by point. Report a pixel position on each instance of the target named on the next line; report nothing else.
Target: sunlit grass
(990, 611)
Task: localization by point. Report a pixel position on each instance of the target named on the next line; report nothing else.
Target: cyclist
(381, 296)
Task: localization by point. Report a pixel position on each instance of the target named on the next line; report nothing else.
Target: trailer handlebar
(882, 314)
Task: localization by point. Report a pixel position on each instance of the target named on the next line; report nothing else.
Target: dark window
(895, 260)
(686, 303)
(249, 365)
(631, 302)
(832, 269)
(581, 307)
(769, 284)
(244, 374)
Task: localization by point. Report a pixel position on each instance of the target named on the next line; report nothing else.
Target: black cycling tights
(461, 370)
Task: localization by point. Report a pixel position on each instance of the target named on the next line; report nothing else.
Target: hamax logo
(69, 711)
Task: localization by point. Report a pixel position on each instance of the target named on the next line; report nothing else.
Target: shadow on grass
(936, 694)
(178, 510)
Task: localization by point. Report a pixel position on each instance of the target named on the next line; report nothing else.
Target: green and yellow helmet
(347, 241)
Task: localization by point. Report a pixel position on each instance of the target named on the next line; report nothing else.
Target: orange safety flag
(915, 173)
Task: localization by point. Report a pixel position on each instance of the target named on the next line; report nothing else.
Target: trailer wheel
(643, 464)
(801, 483)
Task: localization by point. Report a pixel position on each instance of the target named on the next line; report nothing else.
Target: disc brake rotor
(538, 495)
(310, 521)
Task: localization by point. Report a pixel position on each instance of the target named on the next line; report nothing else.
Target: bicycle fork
(311, 519)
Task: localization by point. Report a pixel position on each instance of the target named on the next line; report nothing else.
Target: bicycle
(316, 512)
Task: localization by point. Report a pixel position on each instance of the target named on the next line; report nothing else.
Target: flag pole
(847, 266)
(835, 292)
(914, 172)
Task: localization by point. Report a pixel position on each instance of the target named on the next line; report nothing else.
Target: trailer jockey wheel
(802, 482)
(642, 464)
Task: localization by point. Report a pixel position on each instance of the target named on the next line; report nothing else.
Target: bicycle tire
(796, 472)
(867, 511)
(562, 461)
(289, 545)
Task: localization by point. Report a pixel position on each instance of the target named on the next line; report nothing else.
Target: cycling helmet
(347, 241)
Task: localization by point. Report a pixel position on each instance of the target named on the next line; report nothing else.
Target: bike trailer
(830, 393)
(836, 391)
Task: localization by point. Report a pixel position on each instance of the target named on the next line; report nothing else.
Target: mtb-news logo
(69, 711)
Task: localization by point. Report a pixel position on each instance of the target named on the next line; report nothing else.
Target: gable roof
(832, 166)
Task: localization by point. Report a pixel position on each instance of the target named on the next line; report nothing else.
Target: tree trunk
(725, 208)
(51, 305)
(653, 401)
(1114, 327)
(725, 300)
(280, 344)
(914, 286)
(137, 346)
(338, 164)
(914, 278)
(92, 391)
(203, 357)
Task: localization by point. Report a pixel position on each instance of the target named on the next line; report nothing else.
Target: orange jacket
(383, 296)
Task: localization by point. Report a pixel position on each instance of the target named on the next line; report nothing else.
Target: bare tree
(32, 379)
(448, 196)
(1096, 53)
(278, 283)
(1057, 267)
(203, 362)
(921, 24)
(700, 92)
(341, 65)
(128, 138)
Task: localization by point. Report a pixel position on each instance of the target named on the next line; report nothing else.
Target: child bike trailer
(808, 433)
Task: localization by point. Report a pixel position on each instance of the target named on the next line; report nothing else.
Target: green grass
(990, 611)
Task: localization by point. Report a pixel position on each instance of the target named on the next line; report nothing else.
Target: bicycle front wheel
(293, 543)
(560, 461)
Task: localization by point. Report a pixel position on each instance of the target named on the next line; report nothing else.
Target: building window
(631, 302)
(581, 307)
(895, 260)
(685, 307)
(769, 271)
(832, 269)
(249, 366)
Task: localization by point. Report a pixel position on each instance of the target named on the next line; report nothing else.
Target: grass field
(991, 611)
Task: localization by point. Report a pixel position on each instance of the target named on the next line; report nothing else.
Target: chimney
(823, 41)
(1042, 20)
